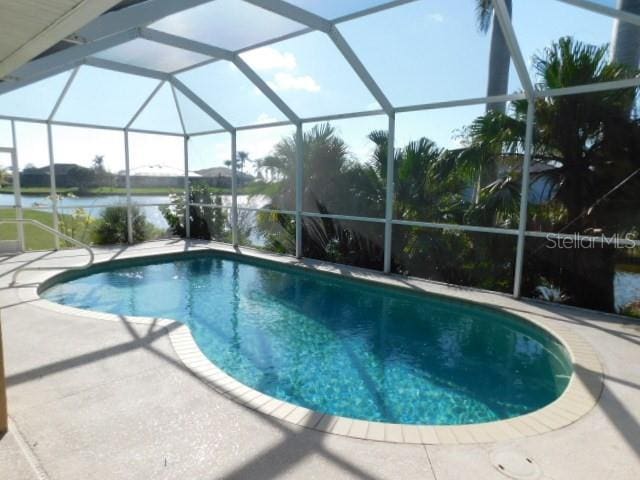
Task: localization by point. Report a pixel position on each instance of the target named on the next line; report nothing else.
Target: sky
(426, 51)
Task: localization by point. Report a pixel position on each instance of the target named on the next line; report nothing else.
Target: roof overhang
(30, 27)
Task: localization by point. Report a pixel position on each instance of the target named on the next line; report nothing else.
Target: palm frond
(484, 13)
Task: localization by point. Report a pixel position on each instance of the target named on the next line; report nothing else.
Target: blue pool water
(339, 346)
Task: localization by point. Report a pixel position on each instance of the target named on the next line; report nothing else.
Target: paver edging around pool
(577, 400)
(580, 396)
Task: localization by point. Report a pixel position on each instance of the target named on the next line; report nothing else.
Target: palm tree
(498, 80)
(240, 161)
(326, 159)
(243, 157)
(584, 145)
(432, 185)
(333, 182)
(626, 36)
(98, 163)
(499, 57)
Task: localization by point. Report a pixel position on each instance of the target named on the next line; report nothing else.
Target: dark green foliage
(111, 226)
(350, 243)
(279, 231)
(207, 223)
(584, 147)
(84, 178)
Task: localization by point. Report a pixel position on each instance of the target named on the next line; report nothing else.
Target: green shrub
(111, 227)
(206, 223)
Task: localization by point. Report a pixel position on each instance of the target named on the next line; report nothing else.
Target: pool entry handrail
(22, 221)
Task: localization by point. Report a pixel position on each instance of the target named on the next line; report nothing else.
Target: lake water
(95, 204)
(626, 288)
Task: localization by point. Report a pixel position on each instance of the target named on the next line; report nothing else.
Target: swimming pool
(336, 345)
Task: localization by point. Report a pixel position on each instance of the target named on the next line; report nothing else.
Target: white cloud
(268, 58)
(266, 118)
(285, 81)
(436, 17)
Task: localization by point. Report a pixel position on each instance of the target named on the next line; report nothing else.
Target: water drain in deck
(514, 464)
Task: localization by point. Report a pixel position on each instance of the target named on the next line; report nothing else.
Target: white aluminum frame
(524, 198)
(299, 187)
(187, 189)
(604, 10)
(127, 24)
(127, 179)
(234, 190)
(388, 214)
(185, 146)
(316, 22)
(17, 194)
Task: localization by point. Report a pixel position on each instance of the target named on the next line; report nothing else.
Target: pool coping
(580, 396)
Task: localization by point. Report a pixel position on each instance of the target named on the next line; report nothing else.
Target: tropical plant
(432, 185)
(78, 224)
(587, 149)
(4, 176)
(349, 243)
(333, 182)
(206, 222)
(102, 176)
(243, 158)
(98, 163)
(429, 186)
(326, 161)
(278, 230)
(498, 77)
(111, 227)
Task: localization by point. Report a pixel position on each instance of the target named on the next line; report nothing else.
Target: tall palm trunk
(499, 62)
(497, 84)
(626, 36)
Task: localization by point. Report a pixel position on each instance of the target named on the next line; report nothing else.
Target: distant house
(60, 169)
(156, 175)
(159, 171)
(40, 176)
(215, 172)
(221, 176)
(69, 175)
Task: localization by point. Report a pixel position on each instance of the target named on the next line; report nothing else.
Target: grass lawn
(36, 238)
(81, 228)
(254, 188)
(98, 191)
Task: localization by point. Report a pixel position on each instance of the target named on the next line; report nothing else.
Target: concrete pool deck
(92, 398)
